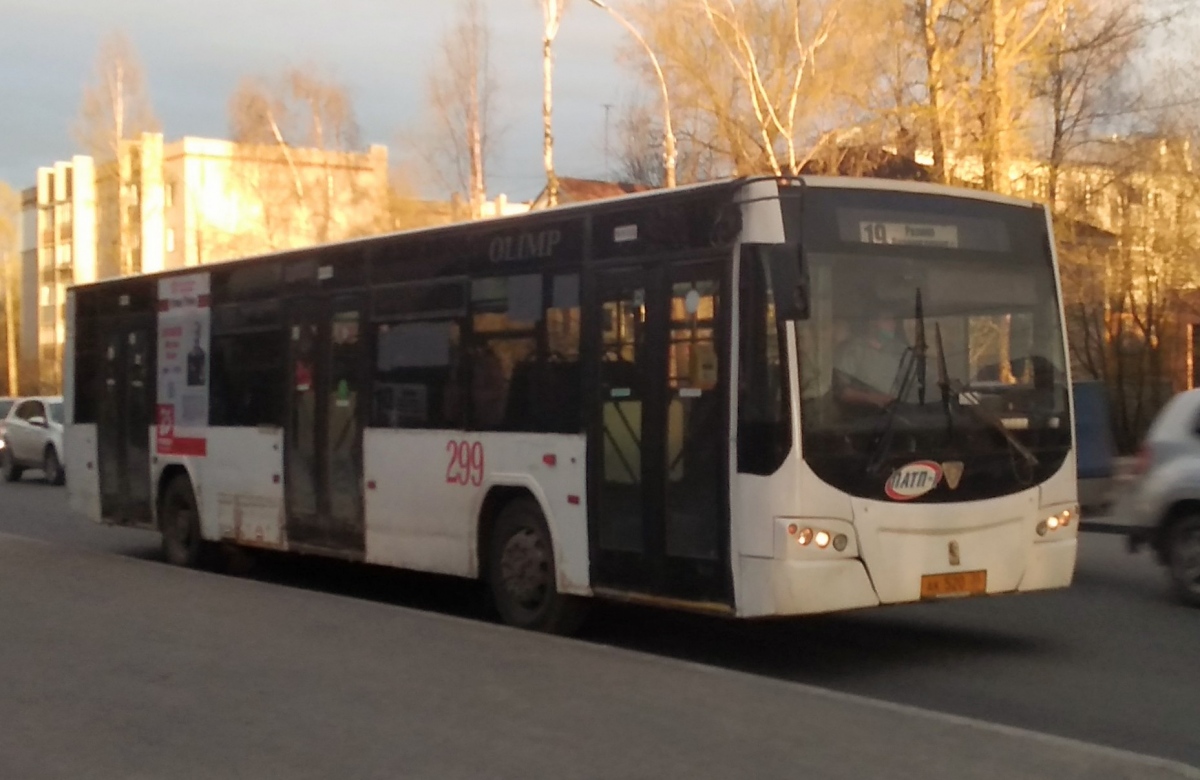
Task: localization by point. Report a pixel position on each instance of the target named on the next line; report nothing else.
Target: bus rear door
(126, 414)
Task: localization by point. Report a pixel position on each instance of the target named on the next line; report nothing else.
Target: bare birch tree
(116, 103)
(114, 113)
(462, 92)
(748, 80)
(552, 14)
(300, 138)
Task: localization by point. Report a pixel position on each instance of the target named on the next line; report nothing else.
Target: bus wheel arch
(518, 562)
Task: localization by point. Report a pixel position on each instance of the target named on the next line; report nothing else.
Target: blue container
(1093, 433)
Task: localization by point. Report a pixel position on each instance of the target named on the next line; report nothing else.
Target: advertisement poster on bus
(183, 364)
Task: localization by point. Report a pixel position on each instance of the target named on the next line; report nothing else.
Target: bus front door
(126, 415)
(658, 443)
(325, 416)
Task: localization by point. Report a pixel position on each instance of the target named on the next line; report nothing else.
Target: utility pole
(668, 132)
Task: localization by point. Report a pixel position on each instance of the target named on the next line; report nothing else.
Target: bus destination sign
(907, 233)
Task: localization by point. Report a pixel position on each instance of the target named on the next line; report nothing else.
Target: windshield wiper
(912, 365)
(922, 349)
(944, 379)
(883, 435)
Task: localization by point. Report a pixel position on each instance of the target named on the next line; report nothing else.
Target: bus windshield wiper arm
(922, 349)
(912, 365)
(883, 436)
(944, 379)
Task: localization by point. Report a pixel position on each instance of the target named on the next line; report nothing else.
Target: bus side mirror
(789, 281)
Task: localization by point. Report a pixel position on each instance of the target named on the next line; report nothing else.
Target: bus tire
(1183, 558)
(522, 576)
(179, 523)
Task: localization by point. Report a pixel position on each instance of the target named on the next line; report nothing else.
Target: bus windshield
(934, 336)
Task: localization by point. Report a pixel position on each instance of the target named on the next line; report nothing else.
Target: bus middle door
(325, 416)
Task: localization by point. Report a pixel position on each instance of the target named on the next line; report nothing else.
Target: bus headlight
(814, 537)
(1056, 522)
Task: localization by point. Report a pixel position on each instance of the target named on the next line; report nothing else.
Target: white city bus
(757, 397)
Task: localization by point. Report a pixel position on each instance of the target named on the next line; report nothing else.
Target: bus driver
(868, 363)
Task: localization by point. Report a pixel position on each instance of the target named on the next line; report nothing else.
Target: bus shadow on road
(819, 649)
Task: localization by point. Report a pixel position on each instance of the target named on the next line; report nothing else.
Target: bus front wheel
(179, 522)
(522, 576)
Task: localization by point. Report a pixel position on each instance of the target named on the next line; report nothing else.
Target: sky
(194, 54)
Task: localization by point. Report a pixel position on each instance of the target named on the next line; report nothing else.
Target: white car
(1162, 507)
(32, 439)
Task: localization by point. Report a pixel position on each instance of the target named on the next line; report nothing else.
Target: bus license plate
(958, 583)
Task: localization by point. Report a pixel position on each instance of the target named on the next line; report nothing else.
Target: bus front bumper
(795, 587)
(1051, 565)
(771, 586)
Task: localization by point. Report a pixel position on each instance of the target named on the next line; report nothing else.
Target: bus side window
(524, 360)
(88, 363)
(248, 375)
(506, 312)
(417, 381)
(556, 398)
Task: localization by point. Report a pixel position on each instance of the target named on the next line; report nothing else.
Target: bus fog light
(839, 542)
(1064, 517)
(805, 536)
(1041, 528)
(1052, 522)
(792, 529)
(822, 539)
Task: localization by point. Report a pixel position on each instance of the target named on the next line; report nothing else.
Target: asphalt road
(1111, 661)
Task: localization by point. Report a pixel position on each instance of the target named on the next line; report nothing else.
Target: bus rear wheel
(522, 576)
(179, 522)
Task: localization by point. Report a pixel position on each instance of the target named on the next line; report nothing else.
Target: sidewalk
(115, 667)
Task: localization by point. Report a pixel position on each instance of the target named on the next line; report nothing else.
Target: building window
(170, 194)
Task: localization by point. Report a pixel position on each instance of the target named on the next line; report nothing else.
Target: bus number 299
(466, 463)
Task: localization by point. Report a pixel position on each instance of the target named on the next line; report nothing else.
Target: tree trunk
(933, 75)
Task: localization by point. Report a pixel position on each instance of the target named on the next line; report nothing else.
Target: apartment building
(58, 249)
(159, 206)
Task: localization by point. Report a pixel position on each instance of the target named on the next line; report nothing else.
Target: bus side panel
(429, 487)
(83, 482)
(243, 486)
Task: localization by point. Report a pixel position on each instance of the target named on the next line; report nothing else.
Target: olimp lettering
(524, 246)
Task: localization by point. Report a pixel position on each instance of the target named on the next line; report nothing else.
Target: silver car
(1162, 505)
(33, 438)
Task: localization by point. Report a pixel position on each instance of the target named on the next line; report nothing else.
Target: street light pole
(668, 132)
